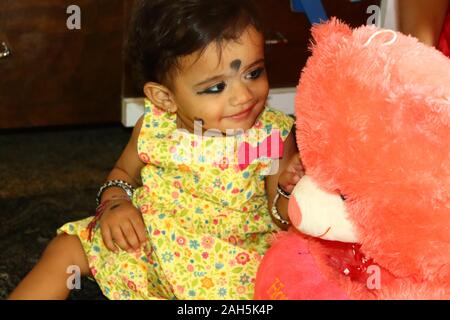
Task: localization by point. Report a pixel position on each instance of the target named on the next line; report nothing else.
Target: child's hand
(122, 224)
(292, 174)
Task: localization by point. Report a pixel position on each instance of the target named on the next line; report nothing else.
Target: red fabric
(444, 41)
(289, 271)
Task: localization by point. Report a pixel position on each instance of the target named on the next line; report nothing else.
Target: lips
(242, 113)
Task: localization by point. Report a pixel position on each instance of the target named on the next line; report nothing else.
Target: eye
(255, 74)
(218, 88)
(343, 197)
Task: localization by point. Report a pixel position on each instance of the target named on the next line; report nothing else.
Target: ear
(160, 96)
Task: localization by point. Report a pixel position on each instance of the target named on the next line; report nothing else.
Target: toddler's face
(226, 86)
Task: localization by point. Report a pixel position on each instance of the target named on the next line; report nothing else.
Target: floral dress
(205, 208)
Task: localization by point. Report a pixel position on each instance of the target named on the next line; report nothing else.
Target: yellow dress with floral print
(206, 214)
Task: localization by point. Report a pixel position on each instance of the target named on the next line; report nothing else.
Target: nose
(241, 95)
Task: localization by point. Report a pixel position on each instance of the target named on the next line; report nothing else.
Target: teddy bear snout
(295, 214)
(319, 213)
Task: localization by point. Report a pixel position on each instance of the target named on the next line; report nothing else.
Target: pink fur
(373, 123)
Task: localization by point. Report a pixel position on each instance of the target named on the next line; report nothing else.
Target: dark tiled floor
(47, 178)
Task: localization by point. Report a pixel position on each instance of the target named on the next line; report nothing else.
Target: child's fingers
(107, 238)
(139, 228)
(299, 168)
(119, 238)
(130, 236)
(289, 176)
(294, 179)
(288, 181)
(297, 165)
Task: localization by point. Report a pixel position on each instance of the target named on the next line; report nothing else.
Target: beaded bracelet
(274, 211)
(125, 186)
(282, 192)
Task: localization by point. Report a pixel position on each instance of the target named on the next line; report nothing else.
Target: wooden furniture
(56, 76)
(285, 61)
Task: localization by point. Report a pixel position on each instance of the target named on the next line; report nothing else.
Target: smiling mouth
(242, 113)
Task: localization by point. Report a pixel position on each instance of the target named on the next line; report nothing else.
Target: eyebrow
(221, 76)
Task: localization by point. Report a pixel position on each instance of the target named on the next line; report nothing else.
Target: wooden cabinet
(57, 76)
(285, 61)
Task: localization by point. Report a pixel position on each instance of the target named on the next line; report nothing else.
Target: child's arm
(121, 222)
(290, 170)
(128, 167)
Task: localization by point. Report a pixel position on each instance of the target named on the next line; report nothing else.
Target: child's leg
(48, 279)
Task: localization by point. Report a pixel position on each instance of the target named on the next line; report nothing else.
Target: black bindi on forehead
(236, 65)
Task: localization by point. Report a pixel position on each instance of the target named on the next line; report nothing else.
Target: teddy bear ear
(330, 31)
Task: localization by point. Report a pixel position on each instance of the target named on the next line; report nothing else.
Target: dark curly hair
(162, 31)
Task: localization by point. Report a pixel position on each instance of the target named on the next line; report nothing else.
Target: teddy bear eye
(341, 195)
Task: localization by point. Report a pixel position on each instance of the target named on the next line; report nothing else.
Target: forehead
(219, 57)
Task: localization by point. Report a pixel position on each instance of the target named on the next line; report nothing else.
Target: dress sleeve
(275, 119)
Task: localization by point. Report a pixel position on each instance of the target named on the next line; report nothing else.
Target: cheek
(211, 112)
(262, 88)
